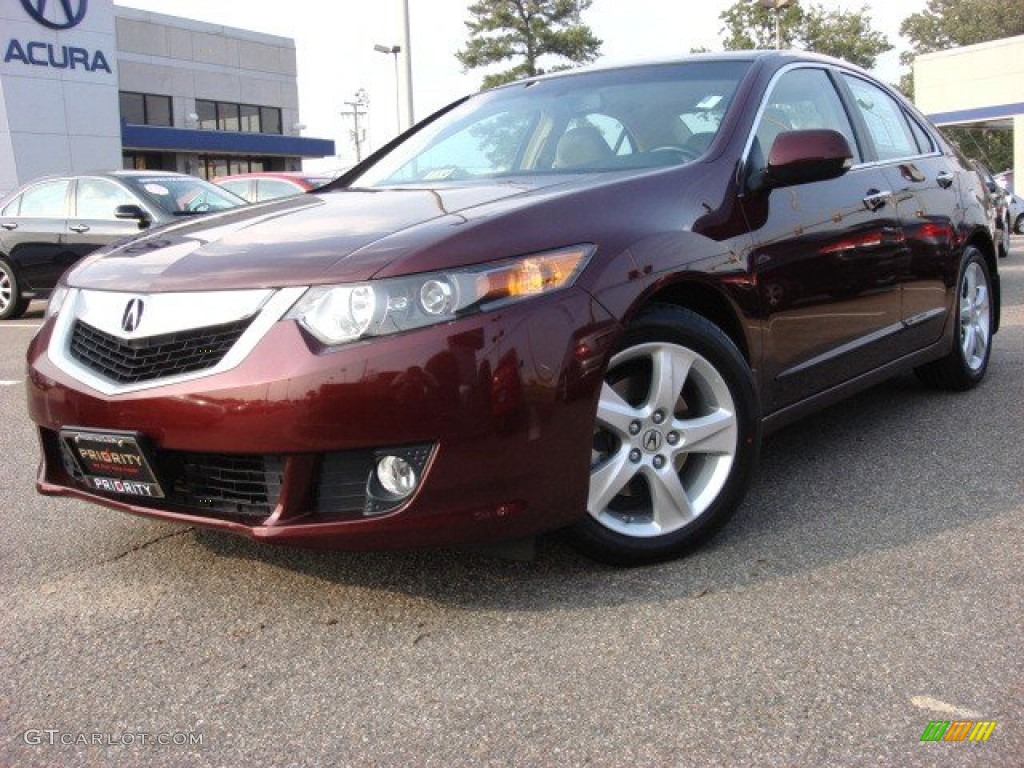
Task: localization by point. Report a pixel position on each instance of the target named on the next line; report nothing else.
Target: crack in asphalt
(146, 545)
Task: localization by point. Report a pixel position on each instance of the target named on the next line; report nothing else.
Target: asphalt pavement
(870, 584)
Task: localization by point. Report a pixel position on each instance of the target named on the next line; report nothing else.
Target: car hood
(303, 240)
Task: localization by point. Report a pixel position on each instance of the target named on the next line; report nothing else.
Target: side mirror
(135, 212)
(800, 157)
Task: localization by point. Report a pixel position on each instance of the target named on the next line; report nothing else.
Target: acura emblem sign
(64, 14)
(132, 315)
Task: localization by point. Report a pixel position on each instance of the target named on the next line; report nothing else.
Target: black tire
(663, 483)
(12, 303)
(1003, 247)
(965, 365)
(1018, 225)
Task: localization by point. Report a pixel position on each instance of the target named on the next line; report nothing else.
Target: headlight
(56, 300)
(337, 314)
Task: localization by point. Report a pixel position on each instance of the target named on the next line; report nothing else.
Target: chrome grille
(129, 361)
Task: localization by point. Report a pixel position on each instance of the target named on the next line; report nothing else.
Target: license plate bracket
(113, 462)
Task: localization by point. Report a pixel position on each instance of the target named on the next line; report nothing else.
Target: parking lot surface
(870, 584)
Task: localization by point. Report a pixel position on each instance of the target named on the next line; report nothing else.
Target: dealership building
(86, 85)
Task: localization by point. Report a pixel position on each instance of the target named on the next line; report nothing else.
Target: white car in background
(1016, 206)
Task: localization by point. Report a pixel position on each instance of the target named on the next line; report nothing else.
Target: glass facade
(228, 116)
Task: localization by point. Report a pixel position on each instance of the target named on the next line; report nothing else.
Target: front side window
(802, 99)
(98, 198)
(46, 201)
(269, 189)
(884, 118)
(183, 195)
(598, 122)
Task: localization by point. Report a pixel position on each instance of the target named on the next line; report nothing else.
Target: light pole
(394, 50)
(407, 50)
(358, 109)
(778, 6)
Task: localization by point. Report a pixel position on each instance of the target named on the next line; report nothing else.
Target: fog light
(396, 476)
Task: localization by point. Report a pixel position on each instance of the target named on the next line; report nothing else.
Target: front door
(828, 255)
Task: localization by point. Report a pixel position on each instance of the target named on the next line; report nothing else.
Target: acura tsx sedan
(572, 302)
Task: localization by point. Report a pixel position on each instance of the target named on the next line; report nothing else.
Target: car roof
(780, 57)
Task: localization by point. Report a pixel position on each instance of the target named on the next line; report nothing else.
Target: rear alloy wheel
(965, 365)
(12, 304)
(676, 438)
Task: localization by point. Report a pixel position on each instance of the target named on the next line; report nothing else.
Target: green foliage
(846, 35)
(748, 25)
(527, 31)
(947, 24)
(953, 23)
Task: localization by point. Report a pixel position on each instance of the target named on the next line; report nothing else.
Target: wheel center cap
(652, 440)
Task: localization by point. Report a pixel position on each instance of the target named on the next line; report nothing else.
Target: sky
(334, 41)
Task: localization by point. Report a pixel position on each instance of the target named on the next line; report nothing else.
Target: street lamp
(394, 50)
(778, 6)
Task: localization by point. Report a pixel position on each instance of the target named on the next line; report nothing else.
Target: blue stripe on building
(157, 138)
(998, 112)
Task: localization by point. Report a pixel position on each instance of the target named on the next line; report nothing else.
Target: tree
(951, 23)
(844, 34)
(948, 24)
(527, 30)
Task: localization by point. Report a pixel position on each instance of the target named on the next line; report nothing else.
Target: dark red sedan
(575, 301)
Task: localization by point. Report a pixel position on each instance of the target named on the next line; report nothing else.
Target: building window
(227, 116)
(270, 120)
(250, 116)
(229, 165)
(207, 112)
(146, 109)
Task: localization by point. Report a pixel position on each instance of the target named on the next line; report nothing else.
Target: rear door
(33, 239)
(827, 254)
(924, 185)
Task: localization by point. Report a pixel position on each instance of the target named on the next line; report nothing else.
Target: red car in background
(270, 185)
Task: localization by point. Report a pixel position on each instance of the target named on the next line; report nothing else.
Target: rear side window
(46, 201)
(924, 141)
(885, 120)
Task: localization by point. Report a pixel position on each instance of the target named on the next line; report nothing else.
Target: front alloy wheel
(675, 440)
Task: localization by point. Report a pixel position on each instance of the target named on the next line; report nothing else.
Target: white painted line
(8, 383)
(926, 702)
(21, 325)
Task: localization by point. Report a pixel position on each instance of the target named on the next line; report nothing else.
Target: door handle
(945, 179)
(9, 225)
(79, 228)
(876, 199)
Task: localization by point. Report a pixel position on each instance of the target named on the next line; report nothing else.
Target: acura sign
(58, 15)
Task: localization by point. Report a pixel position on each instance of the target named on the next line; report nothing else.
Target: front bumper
(503, 403)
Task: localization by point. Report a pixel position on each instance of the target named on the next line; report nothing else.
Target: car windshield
(639, 117)
(183, 195)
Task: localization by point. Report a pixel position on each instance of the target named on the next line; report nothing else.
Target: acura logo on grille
(132, 315)
(64, 14)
